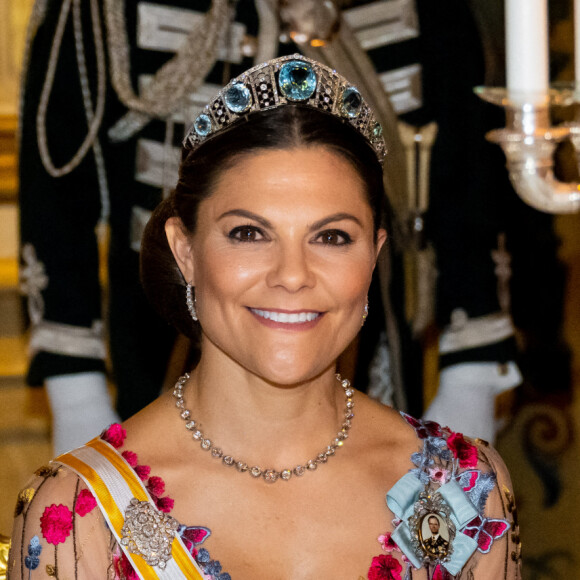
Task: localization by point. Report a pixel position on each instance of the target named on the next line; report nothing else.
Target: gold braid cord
(179, 76)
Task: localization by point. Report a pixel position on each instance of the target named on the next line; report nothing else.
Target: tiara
(286, 80)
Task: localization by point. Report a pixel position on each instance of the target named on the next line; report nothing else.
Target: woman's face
(281, 261)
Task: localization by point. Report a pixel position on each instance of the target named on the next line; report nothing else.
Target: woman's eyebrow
(246, 214)
(267, 224)
(335, 218)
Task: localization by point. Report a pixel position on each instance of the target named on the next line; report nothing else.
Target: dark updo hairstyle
(285, 128)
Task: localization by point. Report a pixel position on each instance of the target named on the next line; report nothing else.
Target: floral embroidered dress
(452, 508)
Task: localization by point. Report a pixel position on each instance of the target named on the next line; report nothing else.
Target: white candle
(577, 40)
(527, 48)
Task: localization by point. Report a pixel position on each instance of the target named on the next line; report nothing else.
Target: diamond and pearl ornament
(148, 532)
(269, 475)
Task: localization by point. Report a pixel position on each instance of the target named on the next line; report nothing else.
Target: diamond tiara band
(286, 80)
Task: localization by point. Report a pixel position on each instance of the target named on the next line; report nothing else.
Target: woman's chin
(291, 371)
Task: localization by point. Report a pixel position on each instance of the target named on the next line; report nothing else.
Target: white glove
(81, 408)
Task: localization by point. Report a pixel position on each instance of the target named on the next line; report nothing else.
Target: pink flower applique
(85, 503)
(484, 531)
(440, 573)
(115, 435)
(438, 474)
(462, 450)
(387, 542)
(385, 567)
(122, 567)
(142, 471)
(156, 486)
(130, 458)
(56, 523)
(164, 504)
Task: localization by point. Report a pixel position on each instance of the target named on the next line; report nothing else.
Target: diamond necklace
(269, 475)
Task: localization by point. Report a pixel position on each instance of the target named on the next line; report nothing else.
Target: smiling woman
(288, 129)
(284, 235)
(265, 252)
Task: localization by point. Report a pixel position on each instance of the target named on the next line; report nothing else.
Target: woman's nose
(291, 268)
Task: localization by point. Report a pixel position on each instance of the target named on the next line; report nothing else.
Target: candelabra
(529, 142)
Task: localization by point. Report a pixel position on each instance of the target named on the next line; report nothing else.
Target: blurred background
(540, 419)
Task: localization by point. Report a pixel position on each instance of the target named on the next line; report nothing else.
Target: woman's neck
(258, 421)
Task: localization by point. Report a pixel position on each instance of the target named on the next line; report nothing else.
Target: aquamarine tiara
(286, 80)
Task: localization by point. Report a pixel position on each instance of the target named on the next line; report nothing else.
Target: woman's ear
(381, 239)
(180, 244)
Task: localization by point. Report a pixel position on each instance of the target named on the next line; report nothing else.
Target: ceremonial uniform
(129, 161)
(427, 61)
(120, 180)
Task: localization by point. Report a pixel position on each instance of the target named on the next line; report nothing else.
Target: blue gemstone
(202, 125)
(238, 98)
(351, 102)
(377, 130)
(297, 80)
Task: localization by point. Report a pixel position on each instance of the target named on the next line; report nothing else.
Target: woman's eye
(334, 238)
(246, 234)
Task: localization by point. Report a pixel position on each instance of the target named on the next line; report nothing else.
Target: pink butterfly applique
(194, 536)
(484, 531)
(424, 429)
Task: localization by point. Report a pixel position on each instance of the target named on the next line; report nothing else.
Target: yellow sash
(114, 483)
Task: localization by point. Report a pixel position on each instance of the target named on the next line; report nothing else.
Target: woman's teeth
(293, 318)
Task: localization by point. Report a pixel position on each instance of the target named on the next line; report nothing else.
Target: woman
(263, 463)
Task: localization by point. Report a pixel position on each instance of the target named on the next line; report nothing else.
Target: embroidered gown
(60, 531)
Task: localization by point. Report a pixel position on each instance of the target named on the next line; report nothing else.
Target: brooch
(432, 529)
(148, 533)
(430, 521)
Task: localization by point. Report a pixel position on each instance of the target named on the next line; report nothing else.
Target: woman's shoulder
(439, 443)
(383, 423)
(56, 512)
(50, 484)
(58, 509)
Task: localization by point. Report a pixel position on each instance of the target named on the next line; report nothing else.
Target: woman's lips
(277, 319)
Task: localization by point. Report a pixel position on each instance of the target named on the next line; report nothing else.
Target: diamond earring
(365, 313)
(190, 301)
